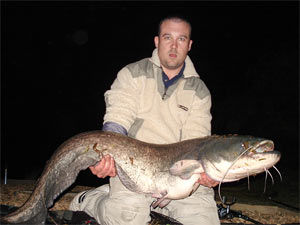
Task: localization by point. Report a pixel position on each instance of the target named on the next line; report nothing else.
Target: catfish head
(231, 158)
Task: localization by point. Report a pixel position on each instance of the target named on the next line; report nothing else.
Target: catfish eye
(245, 145)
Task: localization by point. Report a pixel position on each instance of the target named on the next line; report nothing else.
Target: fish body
(165, 172)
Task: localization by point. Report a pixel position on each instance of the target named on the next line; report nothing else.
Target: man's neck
(171, 72)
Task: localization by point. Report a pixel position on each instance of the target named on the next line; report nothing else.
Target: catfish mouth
(254, 159)
(260, 147)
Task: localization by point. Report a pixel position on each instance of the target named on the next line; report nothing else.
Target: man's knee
(119, 210)
(199, 208)
(194, 216)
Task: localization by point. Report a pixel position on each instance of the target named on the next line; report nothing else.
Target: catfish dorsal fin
(186, 168)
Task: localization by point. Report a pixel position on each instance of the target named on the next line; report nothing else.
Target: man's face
(173, 43)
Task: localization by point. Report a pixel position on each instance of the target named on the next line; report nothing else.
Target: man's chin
(173, 66)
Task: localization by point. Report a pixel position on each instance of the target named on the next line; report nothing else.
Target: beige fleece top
(136, 102)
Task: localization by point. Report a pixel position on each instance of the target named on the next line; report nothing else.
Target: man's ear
(156, 40)
(190, 45)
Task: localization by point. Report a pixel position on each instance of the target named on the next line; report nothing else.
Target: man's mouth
(173, 55)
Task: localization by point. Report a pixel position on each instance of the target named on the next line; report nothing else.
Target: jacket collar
(189, 70)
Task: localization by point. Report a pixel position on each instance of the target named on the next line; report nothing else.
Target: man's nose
(174, 44)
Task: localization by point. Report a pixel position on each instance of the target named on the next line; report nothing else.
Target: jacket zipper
(164, 94)
(180, 134)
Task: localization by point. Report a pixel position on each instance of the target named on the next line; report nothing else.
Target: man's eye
(167, 38)
(182, 39)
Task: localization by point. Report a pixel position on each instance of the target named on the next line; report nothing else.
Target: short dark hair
(175, 17)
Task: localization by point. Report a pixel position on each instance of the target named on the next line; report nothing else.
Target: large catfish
(165, 172)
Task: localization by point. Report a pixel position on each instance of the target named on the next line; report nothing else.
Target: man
(158, 100)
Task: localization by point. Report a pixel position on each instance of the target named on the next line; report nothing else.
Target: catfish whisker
(265, 186)
(248, 181)
(270, 176)
(237, 158)
(267, 172)
(278, 172)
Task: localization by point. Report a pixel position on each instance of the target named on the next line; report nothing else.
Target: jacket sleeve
(122, 100)
(198, 123)
(114, 127)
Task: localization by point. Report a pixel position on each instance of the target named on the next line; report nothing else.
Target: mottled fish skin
(59, 173)
(167, 171)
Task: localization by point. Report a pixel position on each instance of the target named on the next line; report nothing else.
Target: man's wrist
(114, 127)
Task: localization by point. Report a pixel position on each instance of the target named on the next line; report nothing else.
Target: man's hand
(106, 167)
(207, 181)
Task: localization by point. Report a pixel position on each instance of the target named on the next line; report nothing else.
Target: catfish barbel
(165, 172)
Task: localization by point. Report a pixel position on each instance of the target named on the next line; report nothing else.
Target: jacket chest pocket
(182, 106)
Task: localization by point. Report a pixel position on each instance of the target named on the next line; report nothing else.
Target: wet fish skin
(59, 173)
(153, 169)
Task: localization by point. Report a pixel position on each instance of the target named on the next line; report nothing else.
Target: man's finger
(112, 170)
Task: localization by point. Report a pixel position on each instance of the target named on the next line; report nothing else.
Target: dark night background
(58, 59)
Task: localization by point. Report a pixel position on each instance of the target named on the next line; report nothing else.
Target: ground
(254, 203)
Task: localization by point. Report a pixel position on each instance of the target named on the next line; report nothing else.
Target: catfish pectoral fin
(185, 168)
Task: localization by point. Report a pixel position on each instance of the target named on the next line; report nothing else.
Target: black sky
(58, 59)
